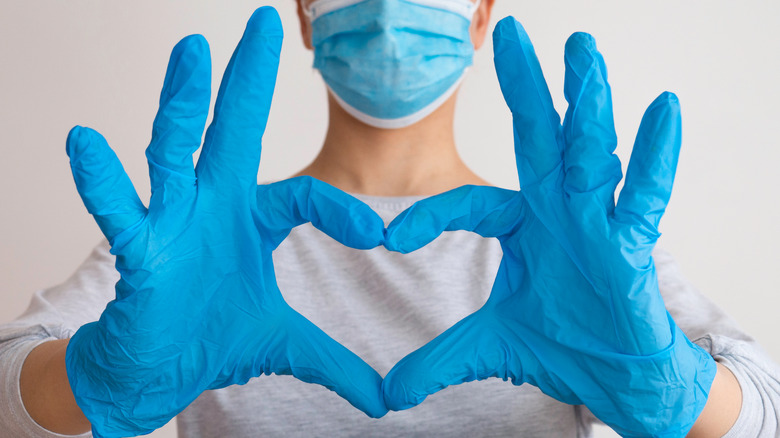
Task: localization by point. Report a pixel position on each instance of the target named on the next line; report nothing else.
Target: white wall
(101, 63)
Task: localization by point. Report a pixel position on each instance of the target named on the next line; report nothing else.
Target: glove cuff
(667, 390)
(91, 380)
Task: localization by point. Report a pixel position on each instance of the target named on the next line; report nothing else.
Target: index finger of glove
(284, 205)
(315, 357)
(231, 151)
(487, 211)
(100, 179)
(537, 126)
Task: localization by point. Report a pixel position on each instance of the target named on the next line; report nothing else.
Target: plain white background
(101, 63)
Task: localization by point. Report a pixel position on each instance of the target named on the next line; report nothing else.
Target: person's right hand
(197, 306)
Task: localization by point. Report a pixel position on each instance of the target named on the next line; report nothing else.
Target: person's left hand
(575, 308)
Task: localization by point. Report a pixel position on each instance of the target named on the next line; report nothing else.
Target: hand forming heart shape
(197, 306)
(575, 308)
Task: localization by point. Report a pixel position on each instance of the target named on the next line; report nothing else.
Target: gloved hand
(197, 306)
(575, 309)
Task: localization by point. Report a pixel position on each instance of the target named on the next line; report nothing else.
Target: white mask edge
(401, 122)
(464, 8)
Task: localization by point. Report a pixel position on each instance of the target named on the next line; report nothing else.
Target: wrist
(46, 392)
(723, 407)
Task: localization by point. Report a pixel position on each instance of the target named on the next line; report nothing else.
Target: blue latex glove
(575, 309)
(197, 306)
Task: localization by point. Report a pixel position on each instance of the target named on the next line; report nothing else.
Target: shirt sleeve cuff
(750, 416)
(751, 404)
(18, 421)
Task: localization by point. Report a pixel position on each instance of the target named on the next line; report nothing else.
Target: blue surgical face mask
(391, 63)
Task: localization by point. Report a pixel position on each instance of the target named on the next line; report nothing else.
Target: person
(391, 150)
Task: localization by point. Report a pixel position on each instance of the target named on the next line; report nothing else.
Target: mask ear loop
(477, 4)
(473, 9)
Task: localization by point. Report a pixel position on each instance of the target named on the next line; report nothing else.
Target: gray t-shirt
(382, 306)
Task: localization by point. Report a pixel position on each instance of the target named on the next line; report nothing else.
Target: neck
(419, 160)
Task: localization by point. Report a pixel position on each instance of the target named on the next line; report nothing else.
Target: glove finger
(314, 357)
(284, 205)
(652, 168)
(181, 118)
(589, 127)
(100, 179)
(537, 126)
(487, 211)
(467, 351)
(231, 151)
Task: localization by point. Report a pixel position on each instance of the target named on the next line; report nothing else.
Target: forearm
(46, 392)
(723, 406)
